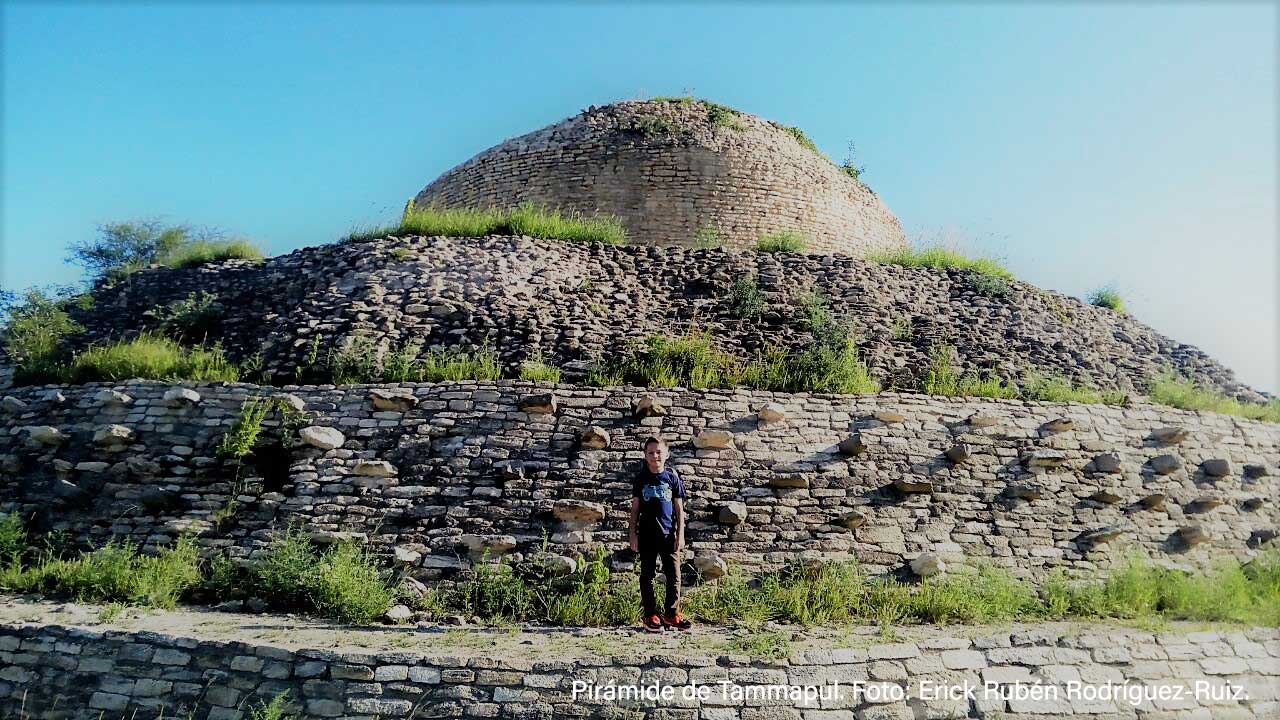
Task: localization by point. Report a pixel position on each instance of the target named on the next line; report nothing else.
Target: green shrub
(937, 257)
(708, 238)
(903, 328)
(651, 125)
(989, 285)
(527, 219)
(342, 582)
(199, 252)
(849, 166)
(799, 136)
(745, 298)
(690, 361)
(273, 710)
(723, 116)
(536, 370)
(197, 316)
(1107, 297)
(785, 241)
(243, 435)
(114, 572)
(1185, 393)
(13, 539)
(150, 357)
(123, 247)
(359, 361)
(35, 337)
(942, 378)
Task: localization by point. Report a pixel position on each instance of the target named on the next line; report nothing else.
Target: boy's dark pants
(653, 547)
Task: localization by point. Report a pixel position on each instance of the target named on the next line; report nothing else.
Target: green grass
(799, 136)
(938, 257)
(536, 370)
(272, 710)
(360, 361)
(241, 438)
(903, 328)
(199, 252)
(835, 594)
(652, 125)
(527, 219)
(13, 538)
(1107, 297)
(745, 299)
(114, 572)
(773, 644)
(342, 582)
(717, 115)
(708, 238)
(1060, 389)
(941, 378)
(1180, 392)
(151, 357)
(785, 241)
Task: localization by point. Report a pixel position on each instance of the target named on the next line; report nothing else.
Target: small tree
(124, 246)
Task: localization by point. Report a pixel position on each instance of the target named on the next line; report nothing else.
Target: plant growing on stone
(197, 316)
(527, 219)
(152, 357)
(1181, 392)
(723, 116)
(941, 378)
(242, 437)
(1108, 297)
(35, 337)
(534, 369)
(939, 257)
(784, 241)
(745, 299)
(799, 136)
(652, 125)
(13, 539)
(708, 238)
(114, 572)
(122, 247)
(989, 285)
(903, 328)
(273, 710)
(1055, 388)
(849, 166)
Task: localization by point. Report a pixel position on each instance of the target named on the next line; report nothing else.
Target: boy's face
(655, 455)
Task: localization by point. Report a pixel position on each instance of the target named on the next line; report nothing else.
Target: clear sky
(1087, 144)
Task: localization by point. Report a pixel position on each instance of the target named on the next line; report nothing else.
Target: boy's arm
(632, 522)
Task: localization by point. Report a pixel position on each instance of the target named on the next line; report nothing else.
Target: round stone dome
(678, 172)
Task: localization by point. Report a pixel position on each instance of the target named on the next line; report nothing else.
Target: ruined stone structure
(668, 170)
(436, 478)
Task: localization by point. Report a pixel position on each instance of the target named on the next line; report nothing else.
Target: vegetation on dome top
(717, 115)
(526, 219)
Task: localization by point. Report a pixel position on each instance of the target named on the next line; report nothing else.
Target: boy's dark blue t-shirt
(656, 493)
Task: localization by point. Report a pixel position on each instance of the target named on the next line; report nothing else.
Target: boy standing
(657, 531)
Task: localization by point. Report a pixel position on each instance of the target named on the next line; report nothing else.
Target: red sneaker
(676, 621)
(652, 623)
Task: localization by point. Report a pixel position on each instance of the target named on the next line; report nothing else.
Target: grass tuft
(114, 572)
(150, 357)
(1107, 297)
(538, 371)
(938, 257)
(785, 241)
(527, 219)
(1180, 392)
(361, 361)
(745, 299)
(199, 252)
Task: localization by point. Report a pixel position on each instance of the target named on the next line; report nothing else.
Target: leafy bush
(938, 257)
(13, 539)
(114, 572)
(272, 710)
(342, 582)
(150, 357)
(527, 219)
(197, 316)
(123, 247)
(650, 125)
(745, 298)
(989, 285)
(1181, 392)
(243, 435)
(35, 338)
(1107, 297)
(785, 241)
(723, 116)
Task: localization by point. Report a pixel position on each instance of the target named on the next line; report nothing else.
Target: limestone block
(406, 555)
(981, 420)
(594, 438)
(852, 519)
(374, 468)
(108, 398)
(542, 403)
(913, 484)
(710, 565)
(1061, 424)
(648, 406)
(1170, 435)
(46, 435)
(398, 614)
(577, 514)
(1165, 464)
(1044, 458)
(890, 417)
(553, 565)
(181, 397)
(294, 402)
(927, 565)
(479, 546)
(772, 412)
(1107, 463)
(55, 397)
(958, 453)
(713, 439)
(393, 399)
(1216, 467)
(330, 537)
(732, 513)
(789, 481)
(852, 445)
(325, 438)
(12, 404)
(1193, 535)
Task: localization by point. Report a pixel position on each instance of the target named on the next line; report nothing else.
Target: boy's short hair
(655, 439)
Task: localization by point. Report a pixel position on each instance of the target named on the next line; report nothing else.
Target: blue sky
(1087, 144)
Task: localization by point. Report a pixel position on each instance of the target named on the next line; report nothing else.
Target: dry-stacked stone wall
(438, 476)
(49, 671)
(667, 172)
(575, 304)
